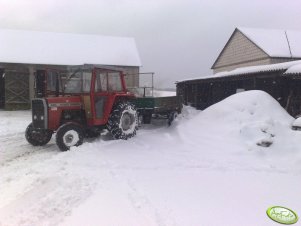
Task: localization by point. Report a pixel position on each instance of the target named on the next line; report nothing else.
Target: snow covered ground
(160, 93)
(206, 169)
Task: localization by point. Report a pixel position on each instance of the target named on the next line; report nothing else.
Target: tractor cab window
(53, 84)
(108, 81)
(87, 76)
(114, 81)
(77, 82)
(101, 82)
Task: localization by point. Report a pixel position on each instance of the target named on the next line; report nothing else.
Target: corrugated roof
(33, 47)
(291, 67)
(258, 69)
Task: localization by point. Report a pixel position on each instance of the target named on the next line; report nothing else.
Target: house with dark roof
(23, 54)
(251, 47)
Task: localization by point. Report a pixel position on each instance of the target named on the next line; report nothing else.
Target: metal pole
(152, 84)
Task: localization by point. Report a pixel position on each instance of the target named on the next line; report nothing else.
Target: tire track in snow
(41, 188)
(14, 147)
(49, 200)
(18, 175)
(7, 139)
(143, 205)
(140, 202)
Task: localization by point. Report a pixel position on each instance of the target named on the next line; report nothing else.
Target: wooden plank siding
(2, 88)
(17, 89)
(239, 52)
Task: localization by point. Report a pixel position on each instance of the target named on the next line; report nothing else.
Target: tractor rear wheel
(123, 121)
(37, 137)
(68, 135)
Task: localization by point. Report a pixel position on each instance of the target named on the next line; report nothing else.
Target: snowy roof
(295, 69)
(33, 47)
(291, 67)
(260, 68)
(276, 43)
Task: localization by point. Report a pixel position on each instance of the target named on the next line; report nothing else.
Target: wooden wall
(2, 89)
(239, 52)
(17, 89)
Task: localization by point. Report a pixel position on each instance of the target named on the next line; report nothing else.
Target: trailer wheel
(123, 121)
(147, 118)
(37, 137)
(68, 135)
(171, 117)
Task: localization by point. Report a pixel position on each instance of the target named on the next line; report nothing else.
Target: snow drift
(254, 115)
(247, 124)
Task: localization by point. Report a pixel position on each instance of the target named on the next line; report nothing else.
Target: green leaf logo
(282, 215)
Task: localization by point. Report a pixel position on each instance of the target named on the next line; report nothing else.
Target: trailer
(150, 106)
(153, 107)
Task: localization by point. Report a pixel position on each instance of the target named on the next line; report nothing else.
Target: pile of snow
(244, 122)
(206, 169)
(255, 115)
(297, 123)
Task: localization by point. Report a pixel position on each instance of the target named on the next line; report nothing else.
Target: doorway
(40, 83)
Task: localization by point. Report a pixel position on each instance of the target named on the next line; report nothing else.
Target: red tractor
(84, 102)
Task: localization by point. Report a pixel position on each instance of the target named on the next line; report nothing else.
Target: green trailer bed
(167, 107)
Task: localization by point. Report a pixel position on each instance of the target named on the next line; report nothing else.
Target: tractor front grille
(39, 113)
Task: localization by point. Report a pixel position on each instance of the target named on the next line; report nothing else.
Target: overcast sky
(176, 39)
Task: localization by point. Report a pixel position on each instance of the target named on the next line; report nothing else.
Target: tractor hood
(65, 102)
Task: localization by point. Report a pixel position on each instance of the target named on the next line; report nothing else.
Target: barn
(261, 59)
(282, 81)
(23, 54)
(253, 46)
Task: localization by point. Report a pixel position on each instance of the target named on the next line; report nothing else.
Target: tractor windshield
(78, 81)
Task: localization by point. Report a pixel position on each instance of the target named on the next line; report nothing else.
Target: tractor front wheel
(37, 137)
(68, 135)
(123, 121)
